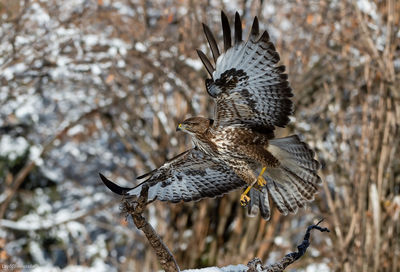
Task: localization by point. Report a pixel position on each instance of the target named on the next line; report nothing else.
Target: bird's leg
(260, 180)
(244, 198)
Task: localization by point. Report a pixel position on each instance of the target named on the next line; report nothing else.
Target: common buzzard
(237, 148)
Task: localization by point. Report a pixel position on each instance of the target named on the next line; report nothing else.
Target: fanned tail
(293, 183)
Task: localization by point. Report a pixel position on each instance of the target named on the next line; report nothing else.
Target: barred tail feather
(259, 202)
(295, 181)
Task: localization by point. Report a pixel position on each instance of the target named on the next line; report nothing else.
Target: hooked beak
(179, 127)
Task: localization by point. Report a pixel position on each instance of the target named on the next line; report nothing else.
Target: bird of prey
(237, 148)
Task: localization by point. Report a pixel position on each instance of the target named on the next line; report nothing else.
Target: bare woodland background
(89, 86)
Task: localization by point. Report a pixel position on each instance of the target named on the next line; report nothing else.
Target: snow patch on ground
(229, 268)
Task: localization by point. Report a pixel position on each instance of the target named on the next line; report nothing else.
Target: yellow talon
(244, 200)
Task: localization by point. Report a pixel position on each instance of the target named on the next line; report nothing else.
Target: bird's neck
(204, 142)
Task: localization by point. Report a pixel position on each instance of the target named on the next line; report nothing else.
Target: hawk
(237, 148)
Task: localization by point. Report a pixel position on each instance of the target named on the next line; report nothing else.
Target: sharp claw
(244, 200)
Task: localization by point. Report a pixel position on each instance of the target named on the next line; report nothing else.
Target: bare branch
(167, 260)
(135, 209)
(256, 265)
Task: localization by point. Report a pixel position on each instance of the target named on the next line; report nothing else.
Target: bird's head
(195, 125)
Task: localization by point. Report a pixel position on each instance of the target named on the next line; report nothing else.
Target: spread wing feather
(249, 87)
(238, 28)
(192, 175)
(227, 31)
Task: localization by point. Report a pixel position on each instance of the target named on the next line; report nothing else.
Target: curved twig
(256, 264)
(135, 209)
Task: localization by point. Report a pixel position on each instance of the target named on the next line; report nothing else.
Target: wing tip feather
(113, 186)
(264, 37)
(211, 42)
(206, 62)
(238, 28)
(226, 30)
(255, 29)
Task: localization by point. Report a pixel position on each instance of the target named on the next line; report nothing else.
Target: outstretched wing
(192, 175)
(249, 87)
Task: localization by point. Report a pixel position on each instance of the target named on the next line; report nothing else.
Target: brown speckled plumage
(252, 97)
